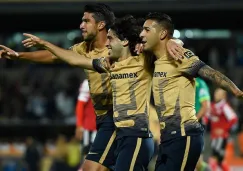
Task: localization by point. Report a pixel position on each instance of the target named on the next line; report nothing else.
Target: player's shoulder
(132, 60)
(79, 47)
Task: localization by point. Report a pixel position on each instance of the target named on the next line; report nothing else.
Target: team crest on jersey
(188, 54)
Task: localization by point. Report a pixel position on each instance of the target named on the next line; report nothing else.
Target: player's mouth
(144, 42)
(84, 32)
(109, 48)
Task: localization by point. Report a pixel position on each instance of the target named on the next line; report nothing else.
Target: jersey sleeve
(78, 48)
(84, 92)
(204, 94)
(230, 116)
(229, 113)
(190, 64)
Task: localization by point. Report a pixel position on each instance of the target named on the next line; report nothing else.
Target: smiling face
(114, 44)
(89, 27)
(150, 34)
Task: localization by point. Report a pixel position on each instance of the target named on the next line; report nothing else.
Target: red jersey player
(85, 118)
(222, 119)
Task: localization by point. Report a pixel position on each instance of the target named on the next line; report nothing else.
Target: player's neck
(125, 54)
(100, 40)
(160, 50)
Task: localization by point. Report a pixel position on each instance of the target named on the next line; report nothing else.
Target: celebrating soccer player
(174, 96)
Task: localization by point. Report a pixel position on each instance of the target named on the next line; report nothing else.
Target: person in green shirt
(202, 100)
(202, 106)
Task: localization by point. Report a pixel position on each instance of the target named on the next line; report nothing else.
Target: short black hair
(102, 12)
(128, 28)
(163, 19)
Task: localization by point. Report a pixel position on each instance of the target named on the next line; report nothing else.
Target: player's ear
(125, 42)
(101, 25)
(163, 34)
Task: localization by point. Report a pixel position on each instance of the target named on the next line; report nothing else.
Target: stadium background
(38, 100)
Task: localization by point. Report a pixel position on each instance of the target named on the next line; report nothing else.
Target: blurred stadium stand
(31, 94)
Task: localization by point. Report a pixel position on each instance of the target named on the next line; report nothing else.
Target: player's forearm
(219, 79)
(69, 56)
(205, 108)
(201, 113)
(42, 56)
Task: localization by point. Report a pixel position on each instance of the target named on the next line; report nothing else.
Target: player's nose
(141, 35)
(107, 43)
(81, 26)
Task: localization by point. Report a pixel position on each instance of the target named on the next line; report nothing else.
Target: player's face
(89, 27)
(219, 95)
(150, 35)
(114, 44)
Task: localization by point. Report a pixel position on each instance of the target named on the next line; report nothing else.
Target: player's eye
(85, 20)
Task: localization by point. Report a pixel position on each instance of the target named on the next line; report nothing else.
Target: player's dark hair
(164, 20)
(128, 28)
(102, 12)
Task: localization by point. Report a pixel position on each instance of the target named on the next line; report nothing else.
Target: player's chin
(146, 48)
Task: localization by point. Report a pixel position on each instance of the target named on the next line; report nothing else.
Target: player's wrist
(20, 55)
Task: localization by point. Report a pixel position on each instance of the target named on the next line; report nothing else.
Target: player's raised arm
(174, 47)
(192, 65)
(42, 56)
(220, 79)
(68, 56)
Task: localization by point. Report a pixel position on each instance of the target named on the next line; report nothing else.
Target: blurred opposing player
(85, 118)
(174, 95)
(202, 106)
(222, 119)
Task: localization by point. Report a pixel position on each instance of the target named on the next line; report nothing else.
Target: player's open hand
(33, 40)
(8, 53)
(175, 49)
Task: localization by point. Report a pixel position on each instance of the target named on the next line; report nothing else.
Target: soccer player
(222, 118)
(85, 119)
(95, 21)
(202, 106)
(174, 95)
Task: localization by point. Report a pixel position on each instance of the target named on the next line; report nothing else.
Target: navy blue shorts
(134, 153)
(103, 148)
(179, 154)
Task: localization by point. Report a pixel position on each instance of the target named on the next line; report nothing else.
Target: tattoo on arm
(215, 76)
